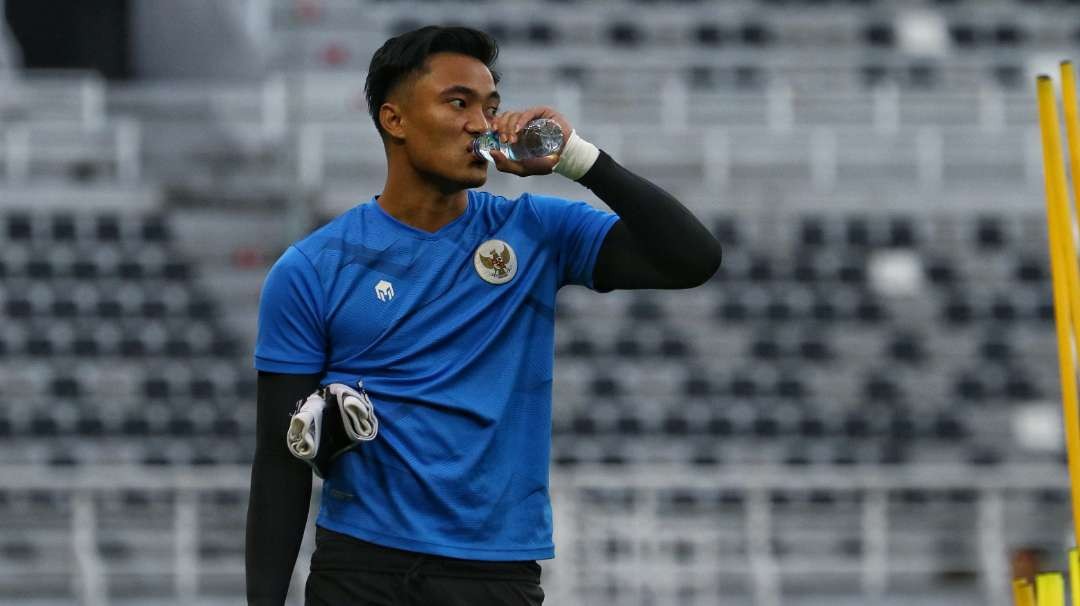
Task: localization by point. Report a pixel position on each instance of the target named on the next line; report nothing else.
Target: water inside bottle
(539, 138)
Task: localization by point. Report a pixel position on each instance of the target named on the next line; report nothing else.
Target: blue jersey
(452, 334)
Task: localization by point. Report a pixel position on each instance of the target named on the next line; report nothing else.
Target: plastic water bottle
(539, 138)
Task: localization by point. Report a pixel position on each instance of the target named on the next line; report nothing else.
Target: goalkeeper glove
(331, 421)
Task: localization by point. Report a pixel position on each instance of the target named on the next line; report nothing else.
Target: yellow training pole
(1072, 132)
(1023, 592)
(1049, 589)
(1055, 200)
(1072, 124)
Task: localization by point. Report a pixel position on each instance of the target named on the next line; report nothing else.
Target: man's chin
(475, 180)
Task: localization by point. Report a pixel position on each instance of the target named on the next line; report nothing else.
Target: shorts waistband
(339, 551)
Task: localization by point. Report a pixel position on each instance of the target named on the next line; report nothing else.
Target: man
(440, 299)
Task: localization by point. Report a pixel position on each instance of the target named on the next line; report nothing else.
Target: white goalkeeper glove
(331, 421)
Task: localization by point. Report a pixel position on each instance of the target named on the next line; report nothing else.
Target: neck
(418, 201)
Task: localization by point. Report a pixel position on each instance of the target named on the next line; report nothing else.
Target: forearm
(280, 492)
(667, 232)
(277, 516)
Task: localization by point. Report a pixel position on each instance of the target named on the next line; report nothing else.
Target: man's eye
(494, 110)
(462, 101)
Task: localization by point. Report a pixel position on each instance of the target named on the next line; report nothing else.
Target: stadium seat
(1008, 75)
(114, 550)
(995, 348)
(674, 347)
(893, 453)
(720, 425)
(19, 227)
(63, 227)
(711, 34)
(958, 310)
(154, 229)
(626, 34)
(765, 347)
(135, 425)
(756, 34)
(939, 272)
(62, 457)
(1018, 387)
(43, 425)
(878, 387)
(949, 427)
(984, 456)
(19, 550)
(181, 425)
(726, 231)
(1009, 35)
(965, 35)
(1030, 270)
(969, 387)
(626, 346)
(790, 387)
(906, 348)
(541, 34)
(879, 35)
(1003, 311)
(90, 425)
(989, 234)
(108, 228)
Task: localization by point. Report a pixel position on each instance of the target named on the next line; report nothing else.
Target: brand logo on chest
(495, 261)
(384, 290)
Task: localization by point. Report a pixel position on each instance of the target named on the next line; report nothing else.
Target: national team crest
(495, 261)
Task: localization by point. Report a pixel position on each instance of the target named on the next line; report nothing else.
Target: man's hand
(506, 127)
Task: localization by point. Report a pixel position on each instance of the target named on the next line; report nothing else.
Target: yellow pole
(1055, 200)
(1072, 131)
(1023, 593)
(1072, 124)
(1049, 589)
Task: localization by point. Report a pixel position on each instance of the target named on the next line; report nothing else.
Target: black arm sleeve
(657, 243)
(280, 491)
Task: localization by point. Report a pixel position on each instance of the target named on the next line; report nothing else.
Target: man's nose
(478, 124)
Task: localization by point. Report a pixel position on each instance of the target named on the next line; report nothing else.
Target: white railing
(644, 523)
(29, 145)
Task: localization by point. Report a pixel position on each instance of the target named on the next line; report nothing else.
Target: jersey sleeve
(291, 335)
(577, 230)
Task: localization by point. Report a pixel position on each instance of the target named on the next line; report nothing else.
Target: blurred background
(861, 408)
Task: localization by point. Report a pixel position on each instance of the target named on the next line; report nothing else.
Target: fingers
(505, 165)
(508, 125)
(505, 126)
(527, 167)
(511, 123)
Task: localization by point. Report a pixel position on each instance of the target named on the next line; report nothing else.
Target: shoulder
(332, 231)
(527, 206)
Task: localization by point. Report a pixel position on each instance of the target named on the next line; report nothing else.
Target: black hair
(399, 57)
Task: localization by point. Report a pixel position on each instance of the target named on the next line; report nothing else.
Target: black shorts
(347, 571)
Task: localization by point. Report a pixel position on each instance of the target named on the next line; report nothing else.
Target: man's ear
(392, 120)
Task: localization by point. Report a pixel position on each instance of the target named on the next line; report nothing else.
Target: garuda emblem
(495, 261)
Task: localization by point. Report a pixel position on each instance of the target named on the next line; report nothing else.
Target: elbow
(709, 263)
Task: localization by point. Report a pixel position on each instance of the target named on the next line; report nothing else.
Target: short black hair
(401, 56)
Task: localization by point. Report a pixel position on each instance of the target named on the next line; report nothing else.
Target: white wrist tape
(578, 156)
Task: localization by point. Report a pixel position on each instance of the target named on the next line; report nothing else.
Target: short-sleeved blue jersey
(452, 334)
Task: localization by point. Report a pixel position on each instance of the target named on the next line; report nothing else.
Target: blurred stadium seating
(861, 404)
